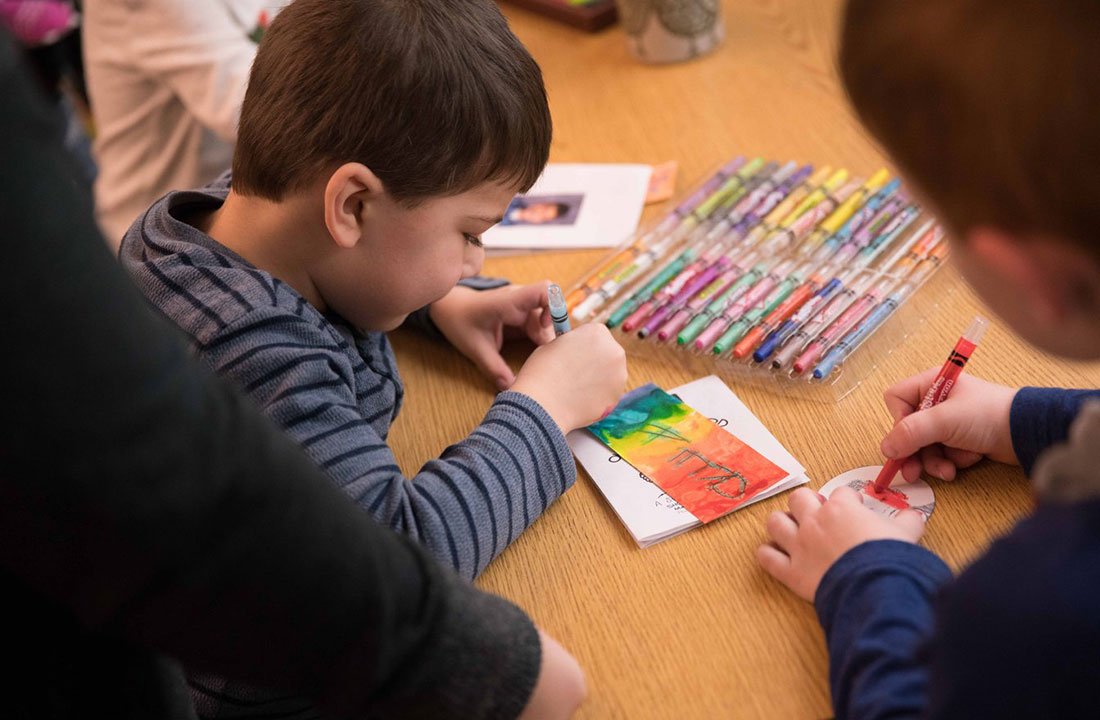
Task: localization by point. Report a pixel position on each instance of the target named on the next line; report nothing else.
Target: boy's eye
(472, 239)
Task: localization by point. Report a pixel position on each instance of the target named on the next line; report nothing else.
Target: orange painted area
(715, 474)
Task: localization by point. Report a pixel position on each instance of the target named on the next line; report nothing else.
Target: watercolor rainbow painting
(703, 467)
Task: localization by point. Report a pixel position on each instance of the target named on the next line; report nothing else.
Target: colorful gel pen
(779, 336)
(844, 209)
(701, 215)
(848, 320)
(863, 305)
(885, 197)
(893, 229)
(727, 214)
(785, 237)
(779, 315)
(869, 231)
(649, 313)
(736, 310)
(875, 226)
(803, 227)
(682, 214)
(763, 308)
(559, 311)
(780, 216)
(665, 293)
(655, 283)
(716, 287)
(810, 326)
(788, 235)
(722, 302)
(852, 340)
(700, 280)
(782, 213)
(940, 388)
(795, 187)
(835, 180)
(755, 198)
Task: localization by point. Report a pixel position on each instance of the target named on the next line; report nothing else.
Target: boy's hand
(972, 423)
(805, 542)
(560, 685)
(577, 378)
(476, 322)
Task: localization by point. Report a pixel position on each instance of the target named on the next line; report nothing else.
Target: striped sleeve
(465, 506)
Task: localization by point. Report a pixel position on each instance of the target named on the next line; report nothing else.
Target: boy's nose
(471, 264)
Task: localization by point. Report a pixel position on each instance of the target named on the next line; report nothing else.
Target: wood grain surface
(691, 628)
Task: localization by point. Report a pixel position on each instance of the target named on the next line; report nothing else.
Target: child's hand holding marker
(579, 376)
(970, 424)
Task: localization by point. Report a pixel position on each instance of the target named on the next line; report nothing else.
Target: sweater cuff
(1040, 418)
(877, 557)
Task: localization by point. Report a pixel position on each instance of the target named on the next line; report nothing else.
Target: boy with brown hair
(378, 139)
(990, 107)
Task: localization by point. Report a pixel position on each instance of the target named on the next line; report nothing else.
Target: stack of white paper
(648, 513)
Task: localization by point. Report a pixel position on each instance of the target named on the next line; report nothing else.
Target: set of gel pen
(767, 269)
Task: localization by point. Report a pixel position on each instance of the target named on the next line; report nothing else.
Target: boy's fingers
(897, 407)
(845, 494)
(919, 430)
(935, 464)
(488, 359)
(518, 302)
(803, 502)
(962, 458)
(529, 297)
(912, 524)
(781, 529)
(775, 562)
(911, 469)
(538, 327)
(904, 397)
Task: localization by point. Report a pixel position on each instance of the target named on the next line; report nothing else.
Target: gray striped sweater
(336, 391)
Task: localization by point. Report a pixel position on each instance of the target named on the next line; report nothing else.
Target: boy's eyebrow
(491, 221)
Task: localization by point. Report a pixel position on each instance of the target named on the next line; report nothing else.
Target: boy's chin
(384, 324)
(392, 323)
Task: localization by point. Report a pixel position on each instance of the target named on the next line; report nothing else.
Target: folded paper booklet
(571, 207)
(671, 461)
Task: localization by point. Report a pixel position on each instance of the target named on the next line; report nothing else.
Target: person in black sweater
(149, 515)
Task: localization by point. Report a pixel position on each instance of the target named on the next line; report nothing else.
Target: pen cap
(557, 305)
(976, 331)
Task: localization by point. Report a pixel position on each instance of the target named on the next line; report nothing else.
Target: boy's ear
(350, 193)
(1055, 279)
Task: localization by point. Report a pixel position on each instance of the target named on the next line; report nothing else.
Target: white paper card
(648, 513)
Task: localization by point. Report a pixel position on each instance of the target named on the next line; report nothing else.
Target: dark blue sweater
(1016, 635)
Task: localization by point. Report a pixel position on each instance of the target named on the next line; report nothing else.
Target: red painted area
(889, 496)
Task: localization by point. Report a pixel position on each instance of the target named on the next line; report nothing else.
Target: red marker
(940, 388)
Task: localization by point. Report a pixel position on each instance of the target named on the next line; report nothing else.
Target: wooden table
(692, 628)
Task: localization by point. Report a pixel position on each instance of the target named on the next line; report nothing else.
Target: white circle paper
(899, 496)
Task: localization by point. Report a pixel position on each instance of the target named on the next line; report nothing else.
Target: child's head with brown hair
(415, 121)
(992, 110)
(435, 96)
